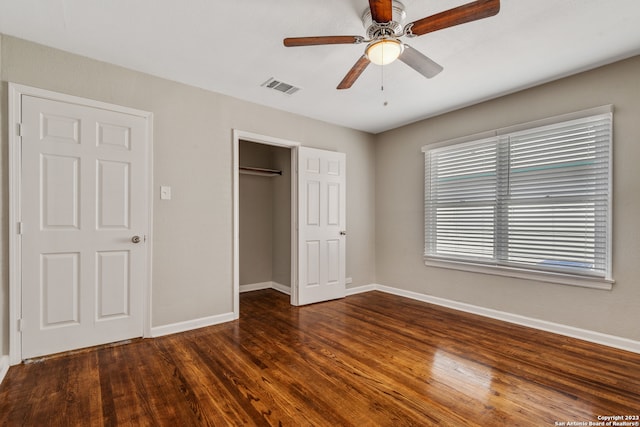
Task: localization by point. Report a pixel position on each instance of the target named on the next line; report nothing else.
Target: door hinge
(20, 228)
(19, 129)
(20, 325)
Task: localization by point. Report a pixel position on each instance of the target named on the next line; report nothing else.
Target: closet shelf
(246, 170)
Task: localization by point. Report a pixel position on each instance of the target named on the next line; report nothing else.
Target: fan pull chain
(384, 103)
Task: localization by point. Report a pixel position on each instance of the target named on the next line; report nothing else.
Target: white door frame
(15, 262)
(276, 142)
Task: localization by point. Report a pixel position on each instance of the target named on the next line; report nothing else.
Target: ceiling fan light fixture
(384, 51)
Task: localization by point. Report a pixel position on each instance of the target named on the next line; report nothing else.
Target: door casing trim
(277, 142)
(15, 260)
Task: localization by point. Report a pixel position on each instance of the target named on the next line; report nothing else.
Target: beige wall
(400, 205)
(255, 216)
(281, 245)
(4, 219)
(192, 247)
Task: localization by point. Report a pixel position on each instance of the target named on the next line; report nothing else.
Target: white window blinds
(535, 199)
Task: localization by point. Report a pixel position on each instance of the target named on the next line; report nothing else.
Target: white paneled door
(84, 220)
(321, 225)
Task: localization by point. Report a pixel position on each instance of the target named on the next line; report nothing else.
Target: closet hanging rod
(259, 171)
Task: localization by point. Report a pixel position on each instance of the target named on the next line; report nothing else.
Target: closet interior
(264, 217)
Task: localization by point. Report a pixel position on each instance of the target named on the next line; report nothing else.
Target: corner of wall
(4, 367)
(4, 226)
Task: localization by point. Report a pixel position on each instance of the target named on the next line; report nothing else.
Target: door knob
(343, 233)
(135, 239)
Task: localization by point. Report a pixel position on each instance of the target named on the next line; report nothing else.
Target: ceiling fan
(383, 21)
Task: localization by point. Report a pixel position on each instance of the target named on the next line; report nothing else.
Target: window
(530, 200)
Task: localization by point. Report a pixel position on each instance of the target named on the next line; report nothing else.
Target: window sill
(541, 276)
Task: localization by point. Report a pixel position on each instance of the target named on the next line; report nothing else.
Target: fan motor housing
(393, 28)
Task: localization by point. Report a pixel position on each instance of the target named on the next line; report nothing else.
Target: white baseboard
(557, 328)
(361, 289)
(189, 325)
(255, 286)
(281, 288)
(4, 367)
(266, 285)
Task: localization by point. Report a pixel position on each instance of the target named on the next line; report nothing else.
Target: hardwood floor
(368, 360)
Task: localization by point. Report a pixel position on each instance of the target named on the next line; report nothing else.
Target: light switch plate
(165, 192)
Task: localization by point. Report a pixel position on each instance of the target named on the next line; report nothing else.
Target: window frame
(497, 268)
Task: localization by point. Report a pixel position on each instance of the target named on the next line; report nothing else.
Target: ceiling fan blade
(458, 15)
(381, 10)
(354, 73)
(311, 41)
(419, 62)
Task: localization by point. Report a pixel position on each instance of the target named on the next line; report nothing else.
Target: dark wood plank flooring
(368, 360)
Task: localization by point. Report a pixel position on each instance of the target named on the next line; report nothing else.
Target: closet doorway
(264, 214)
(314, 214)
(265, 217)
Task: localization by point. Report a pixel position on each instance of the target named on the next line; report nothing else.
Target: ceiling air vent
(280, 86)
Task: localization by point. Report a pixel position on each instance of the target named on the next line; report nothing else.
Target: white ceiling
(233, 46)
